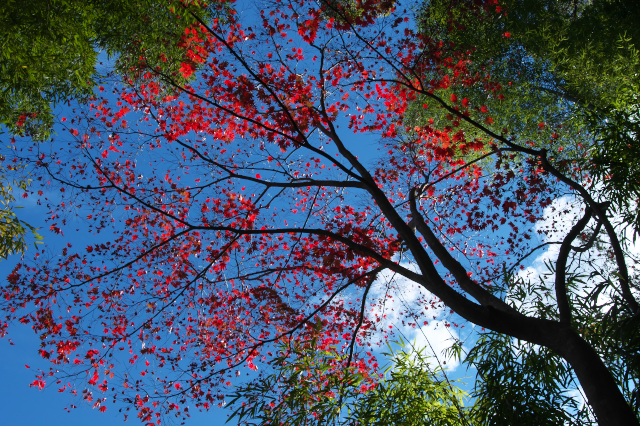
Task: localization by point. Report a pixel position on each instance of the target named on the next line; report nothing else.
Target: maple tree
(239, 214)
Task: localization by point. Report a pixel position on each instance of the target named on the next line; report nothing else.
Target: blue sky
(22, 405)
(27, 406)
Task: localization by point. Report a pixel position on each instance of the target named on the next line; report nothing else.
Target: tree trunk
(601, 390)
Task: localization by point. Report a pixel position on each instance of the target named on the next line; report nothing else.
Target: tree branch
(591, 241)
(561, 264)
(600, 211)
(457, 270)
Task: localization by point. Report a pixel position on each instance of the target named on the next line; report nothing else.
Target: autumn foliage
(249, 206)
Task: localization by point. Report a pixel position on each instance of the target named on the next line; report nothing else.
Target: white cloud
(400, 303)
(557, 221)
(410, 312)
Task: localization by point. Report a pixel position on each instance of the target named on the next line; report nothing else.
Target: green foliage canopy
(50, 49)
(569, 65)
(13, 231)
(310, 385)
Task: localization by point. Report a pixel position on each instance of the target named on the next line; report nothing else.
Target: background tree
(575, 66)
(576, 71)
(14, 232)
(307, 386)
(239, 214)
(50, 50)
(521, 383)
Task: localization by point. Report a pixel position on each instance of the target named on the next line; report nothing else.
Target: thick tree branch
(601, 213)
(547, 166)
(457, 270)
(591, 241)
(561, 265)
